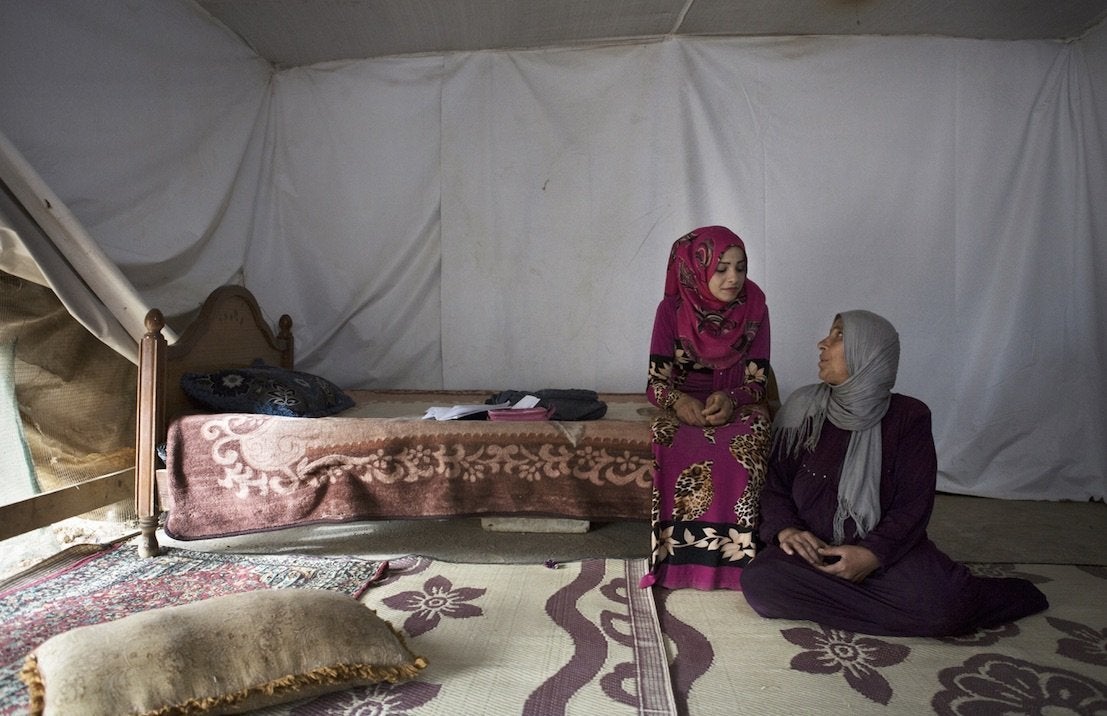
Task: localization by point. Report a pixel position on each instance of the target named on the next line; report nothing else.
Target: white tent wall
(347, 234)
(139, 115)
(943, 183)
(502, 219)
(567, 174)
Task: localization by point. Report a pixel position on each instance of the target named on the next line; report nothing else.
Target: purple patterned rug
(581, 638)
(90, 584)
(571, 638)
(1050, 663)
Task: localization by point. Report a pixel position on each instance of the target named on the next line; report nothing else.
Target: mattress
(230, 474)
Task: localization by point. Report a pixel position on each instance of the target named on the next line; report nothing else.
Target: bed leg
(148, 539)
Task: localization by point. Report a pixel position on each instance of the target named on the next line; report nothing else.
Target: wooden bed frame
(569, 471)
(230, 331)
(579, 471)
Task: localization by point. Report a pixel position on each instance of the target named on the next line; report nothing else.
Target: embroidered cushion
(266, 389)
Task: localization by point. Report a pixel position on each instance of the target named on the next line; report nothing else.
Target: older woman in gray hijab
(846, 503)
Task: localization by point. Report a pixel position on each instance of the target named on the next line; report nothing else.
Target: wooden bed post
(286, 341)
(149, 429)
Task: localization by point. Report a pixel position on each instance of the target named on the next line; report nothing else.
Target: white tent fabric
(348, 220)
(501, 220)
(41, 241)
(143, 132)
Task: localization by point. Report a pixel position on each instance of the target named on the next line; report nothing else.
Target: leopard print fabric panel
(752, 451)
(693, 492)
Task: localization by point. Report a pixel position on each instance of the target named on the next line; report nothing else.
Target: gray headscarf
(858, 404)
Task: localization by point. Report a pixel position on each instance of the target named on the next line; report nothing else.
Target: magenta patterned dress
(707, 480)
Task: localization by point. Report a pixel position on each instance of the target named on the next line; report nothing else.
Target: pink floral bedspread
(238, 473)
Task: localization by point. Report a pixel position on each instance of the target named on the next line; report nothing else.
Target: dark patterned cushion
(266, 389)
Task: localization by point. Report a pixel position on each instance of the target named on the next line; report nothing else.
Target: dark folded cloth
(568, 403)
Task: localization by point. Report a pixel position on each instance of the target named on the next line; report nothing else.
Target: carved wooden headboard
(229, 332)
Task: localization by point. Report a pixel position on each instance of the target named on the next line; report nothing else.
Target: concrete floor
(454, 540)
(972, 529)
(980, 529)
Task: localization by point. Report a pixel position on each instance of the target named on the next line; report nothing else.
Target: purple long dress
(917, 590)
(706, 480)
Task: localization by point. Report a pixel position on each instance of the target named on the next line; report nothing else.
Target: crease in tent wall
(501, 220)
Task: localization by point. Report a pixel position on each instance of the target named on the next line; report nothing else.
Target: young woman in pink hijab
(709, 362)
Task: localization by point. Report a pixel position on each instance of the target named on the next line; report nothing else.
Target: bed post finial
(154, 321)
(284, 337)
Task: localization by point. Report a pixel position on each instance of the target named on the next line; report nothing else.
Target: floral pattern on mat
(983, 637)
(1047, 663)
(437, 599)
(857, 657)
(1000, 684)
(1086, 644)
(379, 700)
(577, 638)
(580, 637)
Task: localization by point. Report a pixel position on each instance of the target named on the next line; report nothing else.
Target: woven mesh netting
(65, 395)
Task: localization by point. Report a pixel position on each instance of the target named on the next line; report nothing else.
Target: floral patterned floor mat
(582, 638)
(727, 660)
(572, 638)
(502, 639)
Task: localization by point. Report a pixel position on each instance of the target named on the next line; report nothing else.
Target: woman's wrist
(730, 402)
(663, 395)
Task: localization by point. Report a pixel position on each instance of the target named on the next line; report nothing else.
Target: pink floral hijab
(712, 333)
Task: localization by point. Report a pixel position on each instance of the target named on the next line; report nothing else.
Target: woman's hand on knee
(795, 541)
(850, 562)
